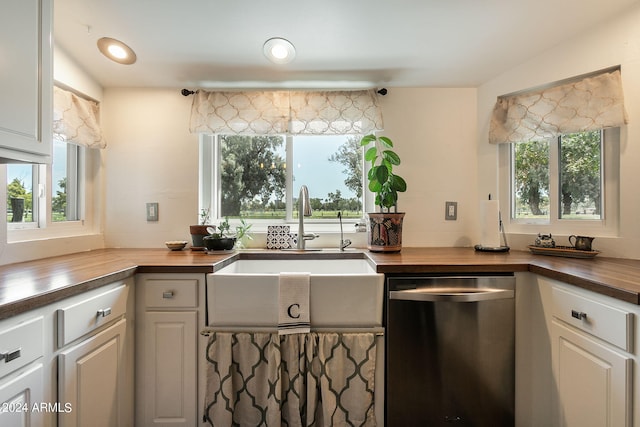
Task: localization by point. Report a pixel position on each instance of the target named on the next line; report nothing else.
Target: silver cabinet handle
(10, 355)
(167, 295)
(580, 315)
(104, 312)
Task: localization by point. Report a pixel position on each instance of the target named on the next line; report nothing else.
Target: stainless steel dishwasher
(450, 356)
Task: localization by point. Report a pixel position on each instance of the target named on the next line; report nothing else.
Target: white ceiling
(339, 43)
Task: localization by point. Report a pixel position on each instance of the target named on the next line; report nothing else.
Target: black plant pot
(219, 244)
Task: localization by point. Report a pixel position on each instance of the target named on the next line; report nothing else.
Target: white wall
(434, 132)
(615, 42)
(152, 157)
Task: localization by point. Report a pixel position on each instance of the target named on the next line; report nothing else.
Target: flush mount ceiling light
(279, 50)
(116, 51)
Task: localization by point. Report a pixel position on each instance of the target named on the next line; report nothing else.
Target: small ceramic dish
(176, 245)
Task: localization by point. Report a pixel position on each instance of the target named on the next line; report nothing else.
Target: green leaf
(367, 139)
(372, 173)
(375, 186)
(389, 200)
(392, 157)
(371, 154)
(386, 141)
(398, 184)
(382, 174)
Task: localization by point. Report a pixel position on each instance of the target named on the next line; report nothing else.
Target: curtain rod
(187, 92)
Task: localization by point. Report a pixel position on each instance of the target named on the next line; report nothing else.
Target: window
(65, 169)
(569, 183)
(21, 205)
(259, 177)
(29, 206)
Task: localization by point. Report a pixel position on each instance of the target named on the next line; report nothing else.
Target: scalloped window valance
(279, 112)
(76, 119)
(577, 105)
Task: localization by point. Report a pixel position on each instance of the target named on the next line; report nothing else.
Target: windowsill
(53, 231)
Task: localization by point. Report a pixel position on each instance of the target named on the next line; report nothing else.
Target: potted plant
(385, 228)
(198, 232)
(221, 239)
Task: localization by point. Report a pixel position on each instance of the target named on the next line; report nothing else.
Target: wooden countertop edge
(54, 295)
(586, 274)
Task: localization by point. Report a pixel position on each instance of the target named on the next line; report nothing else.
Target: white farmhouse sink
(343, 292)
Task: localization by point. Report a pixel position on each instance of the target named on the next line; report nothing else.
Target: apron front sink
(343, 292)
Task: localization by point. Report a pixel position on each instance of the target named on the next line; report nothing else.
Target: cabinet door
(170, 367)
(25, 80)
(91, 380)
(593, 381)
(21, 399)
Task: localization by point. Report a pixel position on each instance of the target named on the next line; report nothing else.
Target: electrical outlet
(152, 211)
(450, 211)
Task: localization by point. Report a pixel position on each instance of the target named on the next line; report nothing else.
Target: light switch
(152, 211)
(450, 211)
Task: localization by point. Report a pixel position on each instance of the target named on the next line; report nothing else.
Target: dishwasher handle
(452, 294)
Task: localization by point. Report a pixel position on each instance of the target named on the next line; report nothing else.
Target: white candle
(490, 223)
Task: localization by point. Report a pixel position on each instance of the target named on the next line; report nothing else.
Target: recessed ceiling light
(116, 51)
(279, 50)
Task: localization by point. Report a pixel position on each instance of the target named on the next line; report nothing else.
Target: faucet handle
(344, 243)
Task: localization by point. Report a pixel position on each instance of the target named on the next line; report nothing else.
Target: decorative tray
(565, 251)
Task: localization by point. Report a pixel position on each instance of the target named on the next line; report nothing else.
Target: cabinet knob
(167, 295)
(580, 315)
(104, 312)
(10, 355)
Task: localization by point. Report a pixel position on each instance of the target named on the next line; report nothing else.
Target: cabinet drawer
(21, 344)
(172, 293)
(88, 314)
(606, 322)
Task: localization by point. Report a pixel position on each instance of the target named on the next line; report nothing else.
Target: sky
(313, 168)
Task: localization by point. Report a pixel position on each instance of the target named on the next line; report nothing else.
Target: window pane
(581, 175)
(531, 180)
(59, 181)
(252, 176)
(20, 183)
(331, 167)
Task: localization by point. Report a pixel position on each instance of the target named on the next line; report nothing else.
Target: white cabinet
(592, 356)
(21, 371)
(91, 379)
(21, 397)
(170, 312)
(593, 381)
(94, 376)
(26, 80)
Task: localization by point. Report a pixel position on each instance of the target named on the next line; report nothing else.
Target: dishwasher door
(450, 351)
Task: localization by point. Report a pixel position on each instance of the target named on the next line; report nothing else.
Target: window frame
(607, 226)
(209, 186)
(83, 170)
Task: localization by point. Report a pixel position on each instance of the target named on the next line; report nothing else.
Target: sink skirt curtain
(313, 379)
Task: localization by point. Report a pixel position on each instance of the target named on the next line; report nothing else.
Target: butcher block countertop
(33, 284)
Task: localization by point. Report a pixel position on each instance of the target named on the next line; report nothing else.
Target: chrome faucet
(304, 209)
(343, 243)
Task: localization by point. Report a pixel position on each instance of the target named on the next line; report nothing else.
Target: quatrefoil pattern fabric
(314, 379)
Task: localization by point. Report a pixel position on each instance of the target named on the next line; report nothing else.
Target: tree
(350, 155)
(251, 169)
(580, 171)
(59, 202)
(17, 190)
(334, 201)
(532, 174)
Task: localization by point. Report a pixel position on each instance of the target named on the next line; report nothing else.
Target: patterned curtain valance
(76, 120)
(278, 112)
(584, 104)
